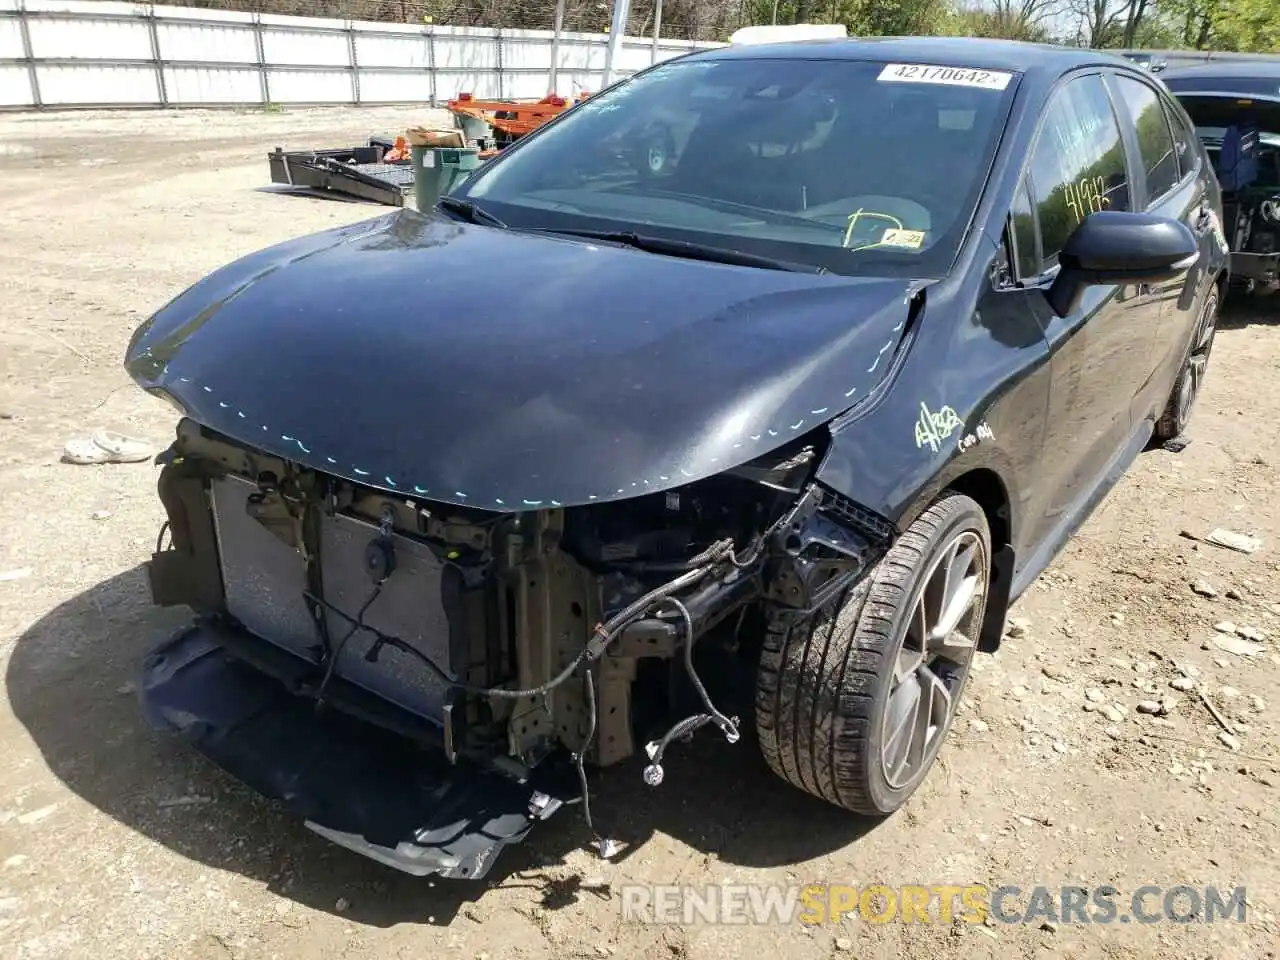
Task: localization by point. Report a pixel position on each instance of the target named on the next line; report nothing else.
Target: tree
(1193, 20)
(902, 17)
(1134, 12)
(1005, 19)
(1103, 23)
(1249, 25)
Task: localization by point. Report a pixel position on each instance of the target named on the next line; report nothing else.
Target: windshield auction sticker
(948, 76)
(912, 239)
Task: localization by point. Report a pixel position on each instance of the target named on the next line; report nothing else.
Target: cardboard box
(422, 137)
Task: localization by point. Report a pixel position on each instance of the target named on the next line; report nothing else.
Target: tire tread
(831, 664)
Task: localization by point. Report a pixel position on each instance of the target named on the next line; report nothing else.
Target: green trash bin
(437, 170)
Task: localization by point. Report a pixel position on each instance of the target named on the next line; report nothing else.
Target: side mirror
(1113, 247)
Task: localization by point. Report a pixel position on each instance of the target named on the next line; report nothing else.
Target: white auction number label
(948, 76)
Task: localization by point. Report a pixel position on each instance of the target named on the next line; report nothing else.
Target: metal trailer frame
(355, 171)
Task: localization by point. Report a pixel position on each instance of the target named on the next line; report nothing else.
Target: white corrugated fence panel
(378, 87)
(386, 26)
(203, 13)
(302, 23)
(667, 50)
(85, 8)
(310, 86)
(580, 55)
(524, 55)
(191, 85)
(90, 39)
(393, 50)
(10, 40)
(467, 53)
(633, 57)
(15, 87)
(482, 84)
(522, 86)
(117, 84)
(305, 47)
(574, 82)
(198, 42)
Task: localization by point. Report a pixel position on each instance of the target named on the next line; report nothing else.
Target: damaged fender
(977, 425)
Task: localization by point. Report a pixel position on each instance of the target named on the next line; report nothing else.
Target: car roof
(1255, 69)
(1032, 59)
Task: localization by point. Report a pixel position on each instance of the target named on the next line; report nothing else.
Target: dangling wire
(653, 773)
(579, 757)
(357, 625)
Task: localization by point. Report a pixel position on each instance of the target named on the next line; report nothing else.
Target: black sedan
(792, 362)
(1235, 106)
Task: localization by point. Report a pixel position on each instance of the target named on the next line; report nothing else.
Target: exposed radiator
(264, 580)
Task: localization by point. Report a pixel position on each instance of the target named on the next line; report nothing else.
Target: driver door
(1098, 354)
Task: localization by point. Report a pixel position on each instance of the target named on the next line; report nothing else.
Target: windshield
(855, 166)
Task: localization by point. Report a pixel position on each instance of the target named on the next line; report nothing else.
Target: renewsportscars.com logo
(938, 903)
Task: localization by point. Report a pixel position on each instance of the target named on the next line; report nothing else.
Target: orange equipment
(512, 119)
(399, 152)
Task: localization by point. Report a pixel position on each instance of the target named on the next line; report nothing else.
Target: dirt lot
(117, 843)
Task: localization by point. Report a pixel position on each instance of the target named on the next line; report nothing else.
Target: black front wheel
(853, 704)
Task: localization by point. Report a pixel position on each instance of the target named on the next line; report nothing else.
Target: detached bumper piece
(372, 791)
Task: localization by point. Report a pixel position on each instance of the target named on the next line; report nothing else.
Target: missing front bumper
(374, 792)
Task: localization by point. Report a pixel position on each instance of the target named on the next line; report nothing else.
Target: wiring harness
(716, 557)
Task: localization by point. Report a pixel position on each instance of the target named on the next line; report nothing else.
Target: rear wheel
(853, 703)
(1186, 388)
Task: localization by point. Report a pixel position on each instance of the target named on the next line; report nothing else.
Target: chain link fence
(712, 20)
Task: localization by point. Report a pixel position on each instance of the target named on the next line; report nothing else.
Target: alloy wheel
(1197, 360)
(933, 659)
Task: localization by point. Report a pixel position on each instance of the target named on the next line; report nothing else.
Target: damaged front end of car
(445, 560)
(422, 681)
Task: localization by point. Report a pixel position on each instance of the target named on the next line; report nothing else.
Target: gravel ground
(116, 842)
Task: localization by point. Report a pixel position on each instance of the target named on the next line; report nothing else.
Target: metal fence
(60, 54)
(679, 19)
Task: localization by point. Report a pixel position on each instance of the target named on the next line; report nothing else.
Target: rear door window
(1155, 141)
(1078, 163)
(1182, 140)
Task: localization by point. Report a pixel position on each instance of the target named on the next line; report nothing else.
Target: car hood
(508, 370)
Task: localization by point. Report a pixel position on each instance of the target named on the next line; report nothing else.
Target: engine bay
(503, 643)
